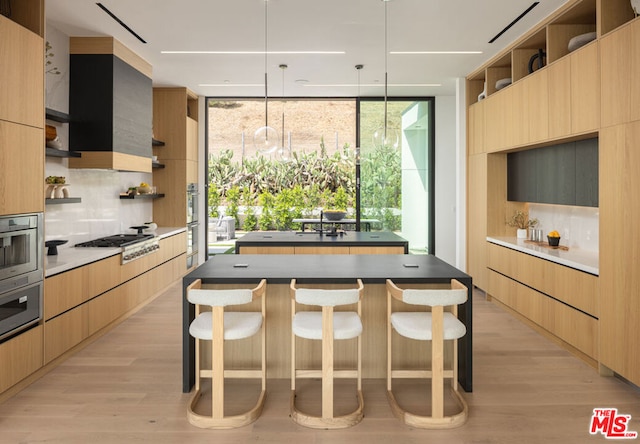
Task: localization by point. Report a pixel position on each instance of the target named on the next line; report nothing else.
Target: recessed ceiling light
(227, 84)
(252, 52)
(433, 52)
(351, 85)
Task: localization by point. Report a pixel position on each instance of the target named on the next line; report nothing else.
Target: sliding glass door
(396, 171)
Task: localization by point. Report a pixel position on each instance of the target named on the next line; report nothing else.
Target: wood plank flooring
(126, 387)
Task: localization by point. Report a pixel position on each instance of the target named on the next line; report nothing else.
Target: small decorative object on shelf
(56, 187)
(635, 5)
(521, 221)
(554, 238)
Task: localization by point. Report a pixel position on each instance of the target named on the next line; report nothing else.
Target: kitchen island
(349, 242)
(329, 271)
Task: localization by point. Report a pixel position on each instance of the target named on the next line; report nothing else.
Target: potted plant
(521, 221)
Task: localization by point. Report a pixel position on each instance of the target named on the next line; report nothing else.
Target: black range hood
(111, 101)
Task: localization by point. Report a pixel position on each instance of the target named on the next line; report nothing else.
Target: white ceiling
(356, 27)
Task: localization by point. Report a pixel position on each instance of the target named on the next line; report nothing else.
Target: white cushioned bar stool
(435, 326)
(218, 326)
(327, 326)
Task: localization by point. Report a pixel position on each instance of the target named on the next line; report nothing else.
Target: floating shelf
(156, 142)
(63, 200)
(157, 165)
(57, 116)
(53, 152)
(142, 196)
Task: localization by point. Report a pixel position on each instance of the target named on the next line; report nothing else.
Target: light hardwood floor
(126, 387)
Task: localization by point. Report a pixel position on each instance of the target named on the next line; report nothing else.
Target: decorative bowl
(144, 190)
(553, 241)
(334, 215)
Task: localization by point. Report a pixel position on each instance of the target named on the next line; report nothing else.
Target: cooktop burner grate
(118, 240)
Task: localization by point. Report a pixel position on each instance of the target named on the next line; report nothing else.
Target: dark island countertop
(313, 239)
(328, 269)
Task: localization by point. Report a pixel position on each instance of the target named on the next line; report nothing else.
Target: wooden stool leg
(217, 364)
(327, 362)
(437, 362)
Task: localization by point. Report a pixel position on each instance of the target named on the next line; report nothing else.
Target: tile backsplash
(578, 226)
(101, 212)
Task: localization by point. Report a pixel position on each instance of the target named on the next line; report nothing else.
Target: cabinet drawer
(24, 352)
(573, 287)
(267, 250)
(376, 250)
(568, 324)
(321, 250)
(64, 332)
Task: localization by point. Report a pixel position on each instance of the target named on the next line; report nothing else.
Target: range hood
(111, 105)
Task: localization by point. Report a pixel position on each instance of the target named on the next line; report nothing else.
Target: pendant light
(385, 136)
(357, 153)
(265, 139)
(284, 152)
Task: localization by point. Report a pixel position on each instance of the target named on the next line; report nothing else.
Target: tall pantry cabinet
(22, 108)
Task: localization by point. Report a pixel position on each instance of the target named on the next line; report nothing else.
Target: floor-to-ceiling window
(317, 140)
(397, 167)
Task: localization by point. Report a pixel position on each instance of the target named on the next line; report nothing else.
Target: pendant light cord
(266, 100)
(385, 71)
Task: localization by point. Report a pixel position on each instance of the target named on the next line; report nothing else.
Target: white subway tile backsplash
(578, 226)
(101, 212)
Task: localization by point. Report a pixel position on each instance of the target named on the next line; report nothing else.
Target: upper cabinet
(22, 108)
(110, 99)
(22, 74)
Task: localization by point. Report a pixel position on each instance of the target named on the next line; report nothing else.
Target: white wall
(446, 183)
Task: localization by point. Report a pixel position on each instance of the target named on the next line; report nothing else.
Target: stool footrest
(411, 374)
(337, 374)
(238, 374)
(228, 422)
(336, 422)
(430, 422)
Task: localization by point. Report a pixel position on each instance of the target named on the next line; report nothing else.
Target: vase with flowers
(521, 221)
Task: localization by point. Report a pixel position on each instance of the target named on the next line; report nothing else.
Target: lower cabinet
(24, 353)
(561, 300)
(81, 302)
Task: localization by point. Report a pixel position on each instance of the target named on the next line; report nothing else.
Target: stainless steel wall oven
(21, 272)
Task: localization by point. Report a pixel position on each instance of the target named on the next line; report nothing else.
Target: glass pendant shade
(390, 140)
(265, 139)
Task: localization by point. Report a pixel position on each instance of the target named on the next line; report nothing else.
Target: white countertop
(582, 260)
(73, 257)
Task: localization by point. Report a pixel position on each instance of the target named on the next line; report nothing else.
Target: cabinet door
(192, 140)
(22, 74)
(24, 353)
(556, 174)
(522, 176)
(538, 105)
(64, 332)
(615, 66)
(587, 177)
(585, 89)
(477, 215)
(620, 204)
(560, 110)
(22, 160)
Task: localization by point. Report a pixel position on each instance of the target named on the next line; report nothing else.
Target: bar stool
(326, 325)
(218, 326)
(435, 326)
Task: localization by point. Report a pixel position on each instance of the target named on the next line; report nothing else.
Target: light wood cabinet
(573, 287)
(476, 125)
(65, 332)
(619, 282)
(620, 64)
(560, 98)
(585, 89)
(22, 160)
(175, 122)
(20, 357)
(22, 74)
(569, 325)
(376, 250)
(80, 302)
(477, 225)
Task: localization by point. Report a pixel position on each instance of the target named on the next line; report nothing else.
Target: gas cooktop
(118, 240)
